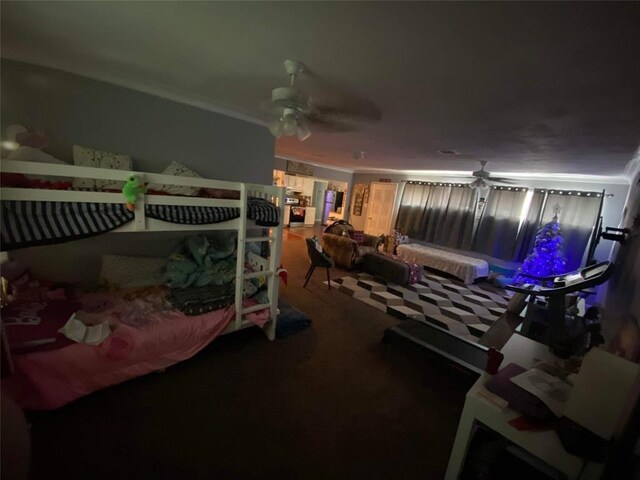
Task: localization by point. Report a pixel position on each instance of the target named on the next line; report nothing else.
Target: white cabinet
(309, 216)
(299, 184)
(307, 186)
(294, 183)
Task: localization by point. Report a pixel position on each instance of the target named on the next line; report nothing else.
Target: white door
(381, 201)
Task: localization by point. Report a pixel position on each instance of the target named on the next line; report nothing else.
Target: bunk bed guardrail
(143, 223)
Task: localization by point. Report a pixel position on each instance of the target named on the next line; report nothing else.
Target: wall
(611, 212)
(325, 173)
(153, 130)
(623, 289)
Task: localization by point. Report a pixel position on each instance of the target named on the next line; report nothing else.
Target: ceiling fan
(482, 177)
(295, 112)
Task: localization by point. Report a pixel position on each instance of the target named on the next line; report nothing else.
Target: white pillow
(89, 157)
(30, 154)
(133, 272)
(179, 170)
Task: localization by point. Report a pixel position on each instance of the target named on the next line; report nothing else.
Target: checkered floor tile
(464, 310)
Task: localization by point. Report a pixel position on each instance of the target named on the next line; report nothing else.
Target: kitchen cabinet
(300, 184)
(309, 216)
(294, 182)
(307, 186)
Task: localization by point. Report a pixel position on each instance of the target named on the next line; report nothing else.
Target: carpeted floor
(331, 402)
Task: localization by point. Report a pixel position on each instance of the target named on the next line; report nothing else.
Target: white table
(546, 446)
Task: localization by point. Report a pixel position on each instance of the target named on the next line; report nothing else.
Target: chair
(318, 259)
(343, 249)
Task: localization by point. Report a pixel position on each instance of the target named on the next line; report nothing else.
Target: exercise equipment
(564, 330)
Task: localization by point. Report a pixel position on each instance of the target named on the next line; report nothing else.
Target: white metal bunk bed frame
(142, 223)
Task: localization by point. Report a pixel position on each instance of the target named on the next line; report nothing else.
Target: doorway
(380, 211)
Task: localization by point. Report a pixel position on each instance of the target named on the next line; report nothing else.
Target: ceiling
(547, 87)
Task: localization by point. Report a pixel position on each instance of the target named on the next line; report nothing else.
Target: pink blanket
(147, 335)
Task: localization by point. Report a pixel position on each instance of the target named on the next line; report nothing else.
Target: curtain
(577, 217)
(437, 213)
(411, 210)
(498, 227)
(421, 208)
(455, 228)
(529, 227)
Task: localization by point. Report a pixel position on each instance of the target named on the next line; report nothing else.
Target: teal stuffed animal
(131, 189)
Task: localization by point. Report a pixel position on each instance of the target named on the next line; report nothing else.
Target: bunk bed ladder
(274, 264)
(275, 239)
(242, 235)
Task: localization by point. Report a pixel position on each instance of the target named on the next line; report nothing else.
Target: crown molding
(567, 177)
(320, 165)
(155, 89)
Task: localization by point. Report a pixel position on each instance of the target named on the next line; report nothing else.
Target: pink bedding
(147, 335)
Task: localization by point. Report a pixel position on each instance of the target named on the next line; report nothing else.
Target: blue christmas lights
(547, 257)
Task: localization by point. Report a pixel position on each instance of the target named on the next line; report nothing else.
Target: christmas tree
(547, 257)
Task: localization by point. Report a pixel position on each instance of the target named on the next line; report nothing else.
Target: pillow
(179, 170)
(220, 193)
(88, 157)
(30, 154)
(358, 236)
(133, 272)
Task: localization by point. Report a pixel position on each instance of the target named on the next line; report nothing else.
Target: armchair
(343, 249)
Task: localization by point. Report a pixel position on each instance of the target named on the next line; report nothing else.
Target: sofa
(344, 250)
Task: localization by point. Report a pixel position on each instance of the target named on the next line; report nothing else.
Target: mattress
(28, 224)
(460, 266)
(147, 335)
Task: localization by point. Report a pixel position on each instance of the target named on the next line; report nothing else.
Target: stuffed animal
(131, 189)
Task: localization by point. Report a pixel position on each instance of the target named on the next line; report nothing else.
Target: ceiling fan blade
(332, 99)
(322, 124)
(361, 110)
(503, 180)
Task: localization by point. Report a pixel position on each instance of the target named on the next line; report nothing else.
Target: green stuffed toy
(131, 189)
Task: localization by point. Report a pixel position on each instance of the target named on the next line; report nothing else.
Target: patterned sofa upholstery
(346, 253)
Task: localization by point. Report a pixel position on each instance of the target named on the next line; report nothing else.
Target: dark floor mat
(290, 320)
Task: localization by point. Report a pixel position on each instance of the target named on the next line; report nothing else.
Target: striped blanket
(27, 224)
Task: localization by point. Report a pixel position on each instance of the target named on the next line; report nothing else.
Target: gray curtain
(421, 209)
(529, 227)
(455, 228)
(577, 218)
(498, 227)
(441, 214)
(411, 210)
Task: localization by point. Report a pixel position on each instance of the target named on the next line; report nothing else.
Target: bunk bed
(50, 376)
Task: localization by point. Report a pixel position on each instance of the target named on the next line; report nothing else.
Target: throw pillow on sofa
(358, 236)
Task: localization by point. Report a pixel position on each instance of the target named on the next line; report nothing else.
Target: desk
(546, 446)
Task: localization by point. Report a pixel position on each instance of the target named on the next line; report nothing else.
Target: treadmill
(472, 355)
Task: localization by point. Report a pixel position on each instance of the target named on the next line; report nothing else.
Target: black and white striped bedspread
(265, 213)
(28, 224)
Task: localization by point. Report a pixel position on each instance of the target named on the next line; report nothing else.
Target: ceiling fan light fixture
(275, 128)
(288, 122)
